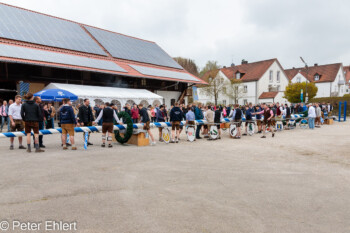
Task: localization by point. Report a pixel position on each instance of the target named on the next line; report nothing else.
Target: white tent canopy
(116, 95)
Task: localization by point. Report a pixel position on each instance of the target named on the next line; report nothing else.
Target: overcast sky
(223, 30)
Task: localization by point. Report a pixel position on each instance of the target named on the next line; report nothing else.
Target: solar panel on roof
(23, 25)
(54, 57)
(133, 49)
(163, 73)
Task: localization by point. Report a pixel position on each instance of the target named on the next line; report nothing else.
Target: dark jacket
(258, 116)
(30, 111)
(67, 115)
(248, 114)
(176, 114)
(127, 111)
(198, 114)
(42, 112)
(144, 115)
(160, 116)
(97, 111)
(85, 114)
(238, 115)
(217, 116)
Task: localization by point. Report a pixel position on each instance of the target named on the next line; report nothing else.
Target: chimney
(316, 64)
(233, 65)
(224, 66)
(293, 68)
(244, 62)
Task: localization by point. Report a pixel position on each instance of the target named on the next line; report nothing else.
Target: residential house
(347, 78)
(329, 79)
(209, 77)
(262, 81)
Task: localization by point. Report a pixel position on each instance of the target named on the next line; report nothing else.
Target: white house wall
(324, 89)
(279, 98)
(295, 79)
(267, 101)
(222, 99)
(339, 88)
(168, 95)
(250, 96)
(264, 82)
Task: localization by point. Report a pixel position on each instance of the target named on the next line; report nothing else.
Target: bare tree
(215, 86)
(210, 66)
(188, 65)
(235, 90)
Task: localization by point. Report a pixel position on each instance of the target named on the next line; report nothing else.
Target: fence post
(345, 103)
(339, 111)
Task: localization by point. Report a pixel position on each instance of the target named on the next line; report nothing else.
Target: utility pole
(307, 76)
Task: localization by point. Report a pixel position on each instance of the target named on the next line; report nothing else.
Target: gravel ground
(295, 182)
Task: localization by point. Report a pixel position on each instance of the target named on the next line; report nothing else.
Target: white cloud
(223, 30)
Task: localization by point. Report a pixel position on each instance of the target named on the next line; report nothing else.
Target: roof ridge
(338, 63)
(249, 63)
(68, 20)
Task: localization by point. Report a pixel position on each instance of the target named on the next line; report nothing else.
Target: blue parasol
(55, 95)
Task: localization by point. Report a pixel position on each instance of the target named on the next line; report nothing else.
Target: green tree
(293, 90)
(211, 65)
(188, 64)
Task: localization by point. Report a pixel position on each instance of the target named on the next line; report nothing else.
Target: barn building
(38, 49)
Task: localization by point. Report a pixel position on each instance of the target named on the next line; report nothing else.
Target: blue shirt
(190, 116)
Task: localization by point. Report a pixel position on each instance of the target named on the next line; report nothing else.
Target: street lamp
(307, 75)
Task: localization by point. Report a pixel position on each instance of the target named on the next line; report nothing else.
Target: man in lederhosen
(268, 115)
(107, 115)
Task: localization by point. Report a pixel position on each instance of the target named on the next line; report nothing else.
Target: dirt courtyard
(298, 181)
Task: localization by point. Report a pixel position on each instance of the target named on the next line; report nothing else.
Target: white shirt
(232, 114)
(312, 112)
(15, 111)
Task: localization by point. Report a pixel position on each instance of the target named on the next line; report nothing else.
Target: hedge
(335, 102)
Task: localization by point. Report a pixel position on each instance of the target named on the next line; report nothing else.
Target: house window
(317, 77)
(143, 82)
(278, 76)
(270, 87)
(210, 79)
(176, 86)
(238, 75)
(278, 88)
(224, 90)
(245, 102)
(224, 102)
(298, 80)
(271, 76)
(245, 89)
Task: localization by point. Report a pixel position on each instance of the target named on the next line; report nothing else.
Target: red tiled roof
(291, 73)
(121, 62)
(268, 95)
(327, 73)
(250, 71)
(347, 74)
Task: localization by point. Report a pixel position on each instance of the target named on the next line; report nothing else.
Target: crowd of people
(34, 115)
